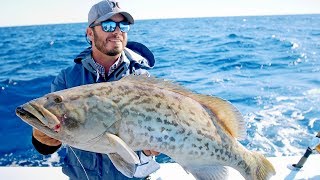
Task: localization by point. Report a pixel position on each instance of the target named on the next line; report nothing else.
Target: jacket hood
(134, 51)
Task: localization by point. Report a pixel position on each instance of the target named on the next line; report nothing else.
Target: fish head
(72, 116)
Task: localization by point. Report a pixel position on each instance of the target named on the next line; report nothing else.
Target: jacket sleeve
(57, 84)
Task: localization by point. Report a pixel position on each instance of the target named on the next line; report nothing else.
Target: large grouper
(199, 132)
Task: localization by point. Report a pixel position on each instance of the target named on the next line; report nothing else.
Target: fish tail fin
(263, 169)
(318, 148)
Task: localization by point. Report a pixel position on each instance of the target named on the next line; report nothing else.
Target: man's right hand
(45, 139)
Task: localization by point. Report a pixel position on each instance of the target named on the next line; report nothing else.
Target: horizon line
(166, 18)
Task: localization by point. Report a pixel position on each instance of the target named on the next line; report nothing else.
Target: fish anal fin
(208, 172)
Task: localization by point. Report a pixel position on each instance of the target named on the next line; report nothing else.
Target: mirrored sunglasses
(110, 26)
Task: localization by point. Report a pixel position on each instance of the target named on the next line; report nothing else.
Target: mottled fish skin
(178, 126)
(149, 114)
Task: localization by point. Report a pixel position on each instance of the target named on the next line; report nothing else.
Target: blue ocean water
(267, 66)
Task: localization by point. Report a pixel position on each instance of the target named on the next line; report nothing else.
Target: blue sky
(30, 12)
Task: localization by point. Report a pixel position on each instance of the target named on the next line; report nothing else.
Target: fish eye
(57, 99)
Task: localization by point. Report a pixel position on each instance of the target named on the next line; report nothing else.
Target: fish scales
(146, 113)
(167, 120)
(178, 111)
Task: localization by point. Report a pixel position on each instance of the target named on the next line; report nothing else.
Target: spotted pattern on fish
(153, 115)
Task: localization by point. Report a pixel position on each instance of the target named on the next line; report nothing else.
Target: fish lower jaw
(57, 128)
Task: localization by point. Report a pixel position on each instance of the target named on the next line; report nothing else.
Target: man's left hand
(150, 153)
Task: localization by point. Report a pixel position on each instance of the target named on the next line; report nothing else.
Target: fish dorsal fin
(227, 115)
(155, 82)
(124, 158)
(209, 172)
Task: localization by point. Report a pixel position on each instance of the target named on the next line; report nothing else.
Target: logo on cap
(114, 5)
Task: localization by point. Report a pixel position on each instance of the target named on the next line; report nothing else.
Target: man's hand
(150, 152)
(44, 139)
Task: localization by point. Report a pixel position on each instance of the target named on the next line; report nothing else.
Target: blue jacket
(138, 59)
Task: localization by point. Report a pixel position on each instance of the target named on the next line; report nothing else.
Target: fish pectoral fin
(127, 169)
(123, 149)
(208, 172)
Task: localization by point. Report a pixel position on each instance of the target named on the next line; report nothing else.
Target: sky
(34, 12)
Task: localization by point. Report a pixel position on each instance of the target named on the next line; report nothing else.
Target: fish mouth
(38, 117)
(25, 114)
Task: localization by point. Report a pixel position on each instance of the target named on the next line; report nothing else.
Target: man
(109, 58)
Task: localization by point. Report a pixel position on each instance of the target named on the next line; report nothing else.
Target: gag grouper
(199, 132)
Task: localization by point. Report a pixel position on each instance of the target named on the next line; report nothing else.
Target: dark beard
(113, 52)
(100, 44)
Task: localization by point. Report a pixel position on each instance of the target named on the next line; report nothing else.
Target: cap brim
(109, 15)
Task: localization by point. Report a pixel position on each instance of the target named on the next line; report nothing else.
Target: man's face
(110, 43)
